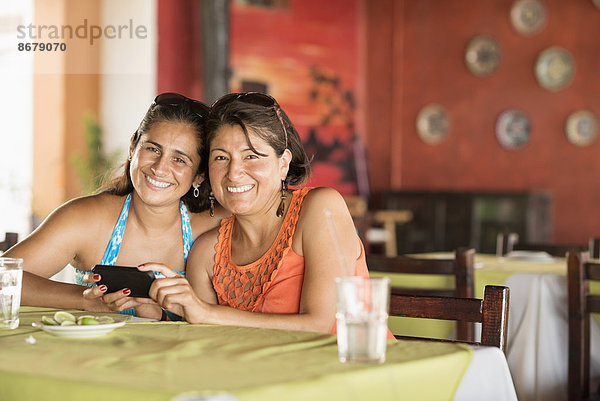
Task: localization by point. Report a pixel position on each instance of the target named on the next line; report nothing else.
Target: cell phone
(116, 278)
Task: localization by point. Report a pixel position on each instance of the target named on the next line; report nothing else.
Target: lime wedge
(87, 320)
(105, 320)
(61, 316)
(68, 323)
(79, 318)
(49, 321)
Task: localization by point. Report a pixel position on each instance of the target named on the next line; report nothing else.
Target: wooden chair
(376, 227)
(508, 242)
(9, 240)
(491, 312)
(581, 304)
(460, 267)
(594, 248)
(505, 243)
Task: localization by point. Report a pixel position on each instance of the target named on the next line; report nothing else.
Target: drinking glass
(11, 279)
(362, 313)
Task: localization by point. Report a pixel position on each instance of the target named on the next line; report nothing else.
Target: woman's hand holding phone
(114, 288)
(173, 292)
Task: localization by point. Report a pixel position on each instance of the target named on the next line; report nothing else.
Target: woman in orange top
(281, 250)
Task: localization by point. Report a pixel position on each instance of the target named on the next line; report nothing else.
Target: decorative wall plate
(483, 55)
(554, 68)
(528, 17)
(513, 129)
(433, 124)
(581, 128)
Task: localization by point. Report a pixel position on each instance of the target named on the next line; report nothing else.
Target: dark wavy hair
(263, 122)
(181, 113)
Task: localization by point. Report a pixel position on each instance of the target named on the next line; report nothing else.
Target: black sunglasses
(256, 98)
(175, 99)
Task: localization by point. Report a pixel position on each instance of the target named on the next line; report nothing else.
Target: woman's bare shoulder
(207, 240)
(89, 208)
(72, 233)
(323, 198)
(203, 251)
(203, 222)
(321, 206)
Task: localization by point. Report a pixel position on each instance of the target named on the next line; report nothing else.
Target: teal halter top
(114, 245)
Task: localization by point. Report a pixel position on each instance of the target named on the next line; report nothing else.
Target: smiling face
(164, 162)
(243, 181)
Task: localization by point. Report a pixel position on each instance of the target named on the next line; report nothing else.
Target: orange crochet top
(272, 284)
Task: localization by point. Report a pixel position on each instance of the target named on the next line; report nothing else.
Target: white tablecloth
(538, 336)
(487, 378)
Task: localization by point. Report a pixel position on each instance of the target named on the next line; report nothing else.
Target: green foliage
(94, 167)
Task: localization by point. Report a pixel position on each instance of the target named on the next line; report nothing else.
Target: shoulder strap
(114, 245)
(186, 231)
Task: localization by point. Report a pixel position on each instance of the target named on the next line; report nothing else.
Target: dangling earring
(196, 191)
(211, 198)
(281, 207)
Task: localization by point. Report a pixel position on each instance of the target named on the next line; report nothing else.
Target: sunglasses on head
(255, 98)
(175, 99)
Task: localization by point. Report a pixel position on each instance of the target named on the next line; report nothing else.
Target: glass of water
(11, 279)
(362, 313)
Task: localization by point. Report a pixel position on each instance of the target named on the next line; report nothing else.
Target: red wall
(428, 39)
(411, 53)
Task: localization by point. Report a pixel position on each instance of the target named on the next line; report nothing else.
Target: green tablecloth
(160, 360)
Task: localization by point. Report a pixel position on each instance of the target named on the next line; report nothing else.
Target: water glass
(362, 313)
(11, 279)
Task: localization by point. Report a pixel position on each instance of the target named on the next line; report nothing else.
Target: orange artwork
(305, 54)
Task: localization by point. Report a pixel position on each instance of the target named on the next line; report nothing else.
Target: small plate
(513, 129)
(528, 17)
(554, 68)
(433, 124)
(79, 331)
(483, 55)
(582, 128)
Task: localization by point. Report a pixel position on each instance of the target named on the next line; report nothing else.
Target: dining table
(177, 361)
(537, 346)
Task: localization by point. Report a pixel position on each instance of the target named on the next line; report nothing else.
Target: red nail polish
(103, 288)
(126, 291)
(141, 265)
(96, 277)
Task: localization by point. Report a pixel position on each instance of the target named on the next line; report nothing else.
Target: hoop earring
(196, 191)
(281, 207)
(211, 198)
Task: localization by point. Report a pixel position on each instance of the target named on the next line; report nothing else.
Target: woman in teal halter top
(158, 203)
(114, 245)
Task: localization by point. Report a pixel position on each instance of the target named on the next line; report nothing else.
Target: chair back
(491, 312)
(460, 268)
(10, 239)
(507, 242)
(581, 303)
(594, 248)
